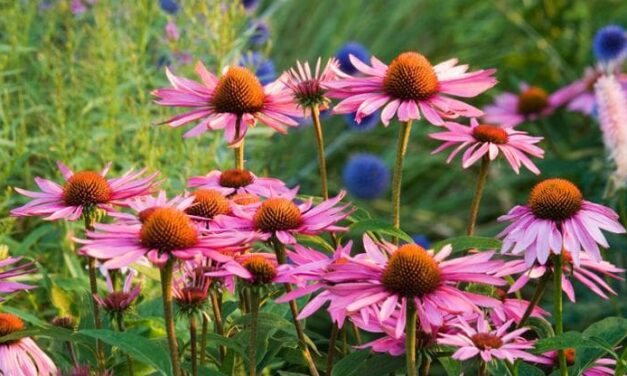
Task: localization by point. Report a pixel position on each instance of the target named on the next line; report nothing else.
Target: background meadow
(75, 87)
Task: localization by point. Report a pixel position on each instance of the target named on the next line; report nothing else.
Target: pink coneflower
(84, 190)
(233, 181)
(13, 269)
(600, 367)
(159, 232)
(232, 102)
(281, 218)
(489, 140)
(21, 357)
(556, 217)
(489, 344)
(510, 109)
(512, 308)
(308, 87)
(386, 277)
(208, 203)
(408, 87)
(191, 287)
(579, 95)
(254, 268)
(589, 272)
(117, 302)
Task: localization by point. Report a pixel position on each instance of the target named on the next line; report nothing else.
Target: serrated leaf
(463, 243)
(377, 226)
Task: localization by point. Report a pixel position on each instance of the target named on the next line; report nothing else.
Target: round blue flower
(260, 34)
(367, 123)
(422, 240)
(262, 67)
(250, 4)
(366, 176)
(169, 6)
(610, 43)
(351, 48)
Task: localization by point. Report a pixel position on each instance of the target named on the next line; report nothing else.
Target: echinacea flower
(232, 102)
(234, 181)
(255, 268)
(366, 176)
(159, 229)
(512, 308)
(600, 367)
(207, 204)
(13, 268)
(21, 357)
(409, 86)
(610, 43)
(280, 218)
(511, 109)
(83, 191)
(307, 85)
(484, 140)
(489, 344)
(191, 288)
(589, 272)
(117, 302)
(355, 49)
(557, 217)
(387, 276)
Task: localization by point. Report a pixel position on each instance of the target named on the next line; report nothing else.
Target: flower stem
(252, 346)
(239, 151)
(119, 318)
(168, 314)
(483, 368)
(93, 286)
(193, 344)
(217, 316)
(315, 116)
(559, 322)
(537, 296)
(410, 337)
(331, 351)
(279, 249)
(425, 365)
(403, 141)
(476, 200)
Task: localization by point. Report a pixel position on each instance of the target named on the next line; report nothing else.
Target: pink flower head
(589, 272)
(379, 282)
(232, 102)
(234, 181)
(512, 308)
(22, 357)
(84, 190)
(172, 31)
(409, 87)
(117, 302)
(557, 217)
(489, 344)
(579, 95)
(510, 109)
(254, 268)
(191, 286)
(307, 86)
(160, 230)
(600, 367)
(489, 140)
(282, 218)
(13, 269)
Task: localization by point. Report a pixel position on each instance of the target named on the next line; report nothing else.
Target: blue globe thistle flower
(422, 240)
(262, 67)
(169, 6)
(366, 176)
(250, 4)
(367, 123)
(351, 48)
(260, 34)
(610, 43)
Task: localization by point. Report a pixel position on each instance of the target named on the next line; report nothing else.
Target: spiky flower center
(9, 324)
(277, 214)
(309, 93)
(555, 199)
(146, 213)
(192, 296)
(208, 203)
(117, 301)
(168, 229)
(410, 76)
(490, 133)
(532, 100)
(86, 188)
(236, 178)
(411, 272)
(486, 341)
(245, 198)
(238, 92)
(262, 270)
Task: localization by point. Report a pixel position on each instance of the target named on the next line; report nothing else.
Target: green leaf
(526, 369)
(563, 341)
(621, 364)
(142, 349)
(451, 366)
(377, 226)
(383, 364)
(351, 364)
(53, 332)
(607, 334)
(462, 243)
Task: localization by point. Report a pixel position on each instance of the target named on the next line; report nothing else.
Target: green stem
(119, 318)
(93, 286)
(559, 321)
(203, 337)
(476, 200)
(425, 365)
(252, 345)
(331, 350)
(483, 368)
(217, 316)
(279, 249)
(537, 296)
(193, 344)
(239, 151)
(315, 116)
(410, 337)
(403, 141)
(168, 314)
